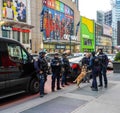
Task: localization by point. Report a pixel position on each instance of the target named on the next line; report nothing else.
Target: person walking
(56, 71)
(66, 69)
(103, 67)
(94, 65)
(41, 67)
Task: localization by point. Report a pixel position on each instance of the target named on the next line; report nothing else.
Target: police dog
(81, 75)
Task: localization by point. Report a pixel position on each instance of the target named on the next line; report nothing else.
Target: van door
(4, 68)
(20, 73)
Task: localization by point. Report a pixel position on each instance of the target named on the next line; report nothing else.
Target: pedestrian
(103, 65)
(66, 69)
(56, 66)
(85, 62)
(41, 67)
(94, 65)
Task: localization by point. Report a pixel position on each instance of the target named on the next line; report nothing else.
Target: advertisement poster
(61, 7)
(56, 24)
(14, 10)
(57, 4)
(87, 34)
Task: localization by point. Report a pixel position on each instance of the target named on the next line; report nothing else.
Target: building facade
(108, 18)
(100, 17)
(103, 35)
(25, 21)
(15, 21)
(55, 24)
(115, 19)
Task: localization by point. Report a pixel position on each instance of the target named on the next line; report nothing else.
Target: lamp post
(70, 42)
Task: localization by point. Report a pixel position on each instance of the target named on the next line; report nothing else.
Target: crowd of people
(60, 68)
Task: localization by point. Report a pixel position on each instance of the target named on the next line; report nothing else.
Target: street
(67, 100)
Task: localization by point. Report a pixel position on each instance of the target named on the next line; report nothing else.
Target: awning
(13, 23)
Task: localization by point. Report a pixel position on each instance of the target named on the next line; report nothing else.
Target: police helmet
(93, 53)
(64, 54)
(41, 53)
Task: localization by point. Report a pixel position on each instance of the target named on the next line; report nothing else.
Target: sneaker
(53, 90)
(94, 89)
(62, 85)
(105, 86)
(66, 84)
(59, 88)
(42, 95)
(100, 85)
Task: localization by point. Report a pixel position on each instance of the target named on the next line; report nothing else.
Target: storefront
(58, 26)
(14, 21)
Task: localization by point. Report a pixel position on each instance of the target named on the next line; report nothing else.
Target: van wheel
(34, 86)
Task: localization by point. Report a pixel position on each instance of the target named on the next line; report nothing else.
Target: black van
(17, 73)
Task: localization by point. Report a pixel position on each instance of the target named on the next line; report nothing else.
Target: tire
(34, 86)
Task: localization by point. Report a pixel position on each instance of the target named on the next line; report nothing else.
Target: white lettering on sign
(67, 37)
(85, 36)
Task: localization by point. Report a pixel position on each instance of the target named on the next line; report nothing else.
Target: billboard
(57, 22)
(14, 10)
(107, 30)
(87, 34)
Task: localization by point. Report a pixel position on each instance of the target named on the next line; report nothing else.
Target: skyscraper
(76, 2)
(115, 19)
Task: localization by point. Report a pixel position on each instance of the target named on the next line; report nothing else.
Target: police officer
(103, 65)
(41, 66)
(94, 65)
(86, 61)
(66, 69)
(56, 71)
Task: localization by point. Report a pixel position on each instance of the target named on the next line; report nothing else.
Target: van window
(16, 53)
(4, 57)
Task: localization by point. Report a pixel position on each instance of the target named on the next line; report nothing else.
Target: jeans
(42, 82)
(54, 77)
(64, 78)
(103, 72)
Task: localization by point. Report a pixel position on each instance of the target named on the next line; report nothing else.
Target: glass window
(6, 33)
(87, 42)
(16, 53)
(25, 38)
(25, 56)
(16, 35)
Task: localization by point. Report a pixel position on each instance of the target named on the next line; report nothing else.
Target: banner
(14, 10)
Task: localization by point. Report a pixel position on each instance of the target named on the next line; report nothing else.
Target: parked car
(75, 64)
(111, 59)
(17, 73)
(50, 56)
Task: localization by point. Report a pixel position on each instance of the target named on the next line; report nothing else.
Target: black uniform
(66, 69)
(41, 67)
(56, 71)
(103, 65)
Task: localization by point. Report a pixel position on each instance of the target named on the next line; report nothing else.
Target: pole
(70, 43)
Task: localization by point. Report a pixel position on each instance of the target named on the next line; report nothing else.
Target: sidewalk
(75, 100)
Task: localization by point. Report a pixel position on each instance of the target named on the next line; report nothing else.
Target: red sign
(21, 30)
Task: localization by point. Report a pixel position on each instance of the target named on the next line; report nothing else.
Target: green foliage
(117, 57)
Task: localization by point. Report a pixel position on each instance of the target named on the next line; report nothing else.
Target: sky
(88, 8)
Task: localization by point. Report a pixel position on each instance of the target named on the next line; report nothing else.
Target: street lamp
(70, 42)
